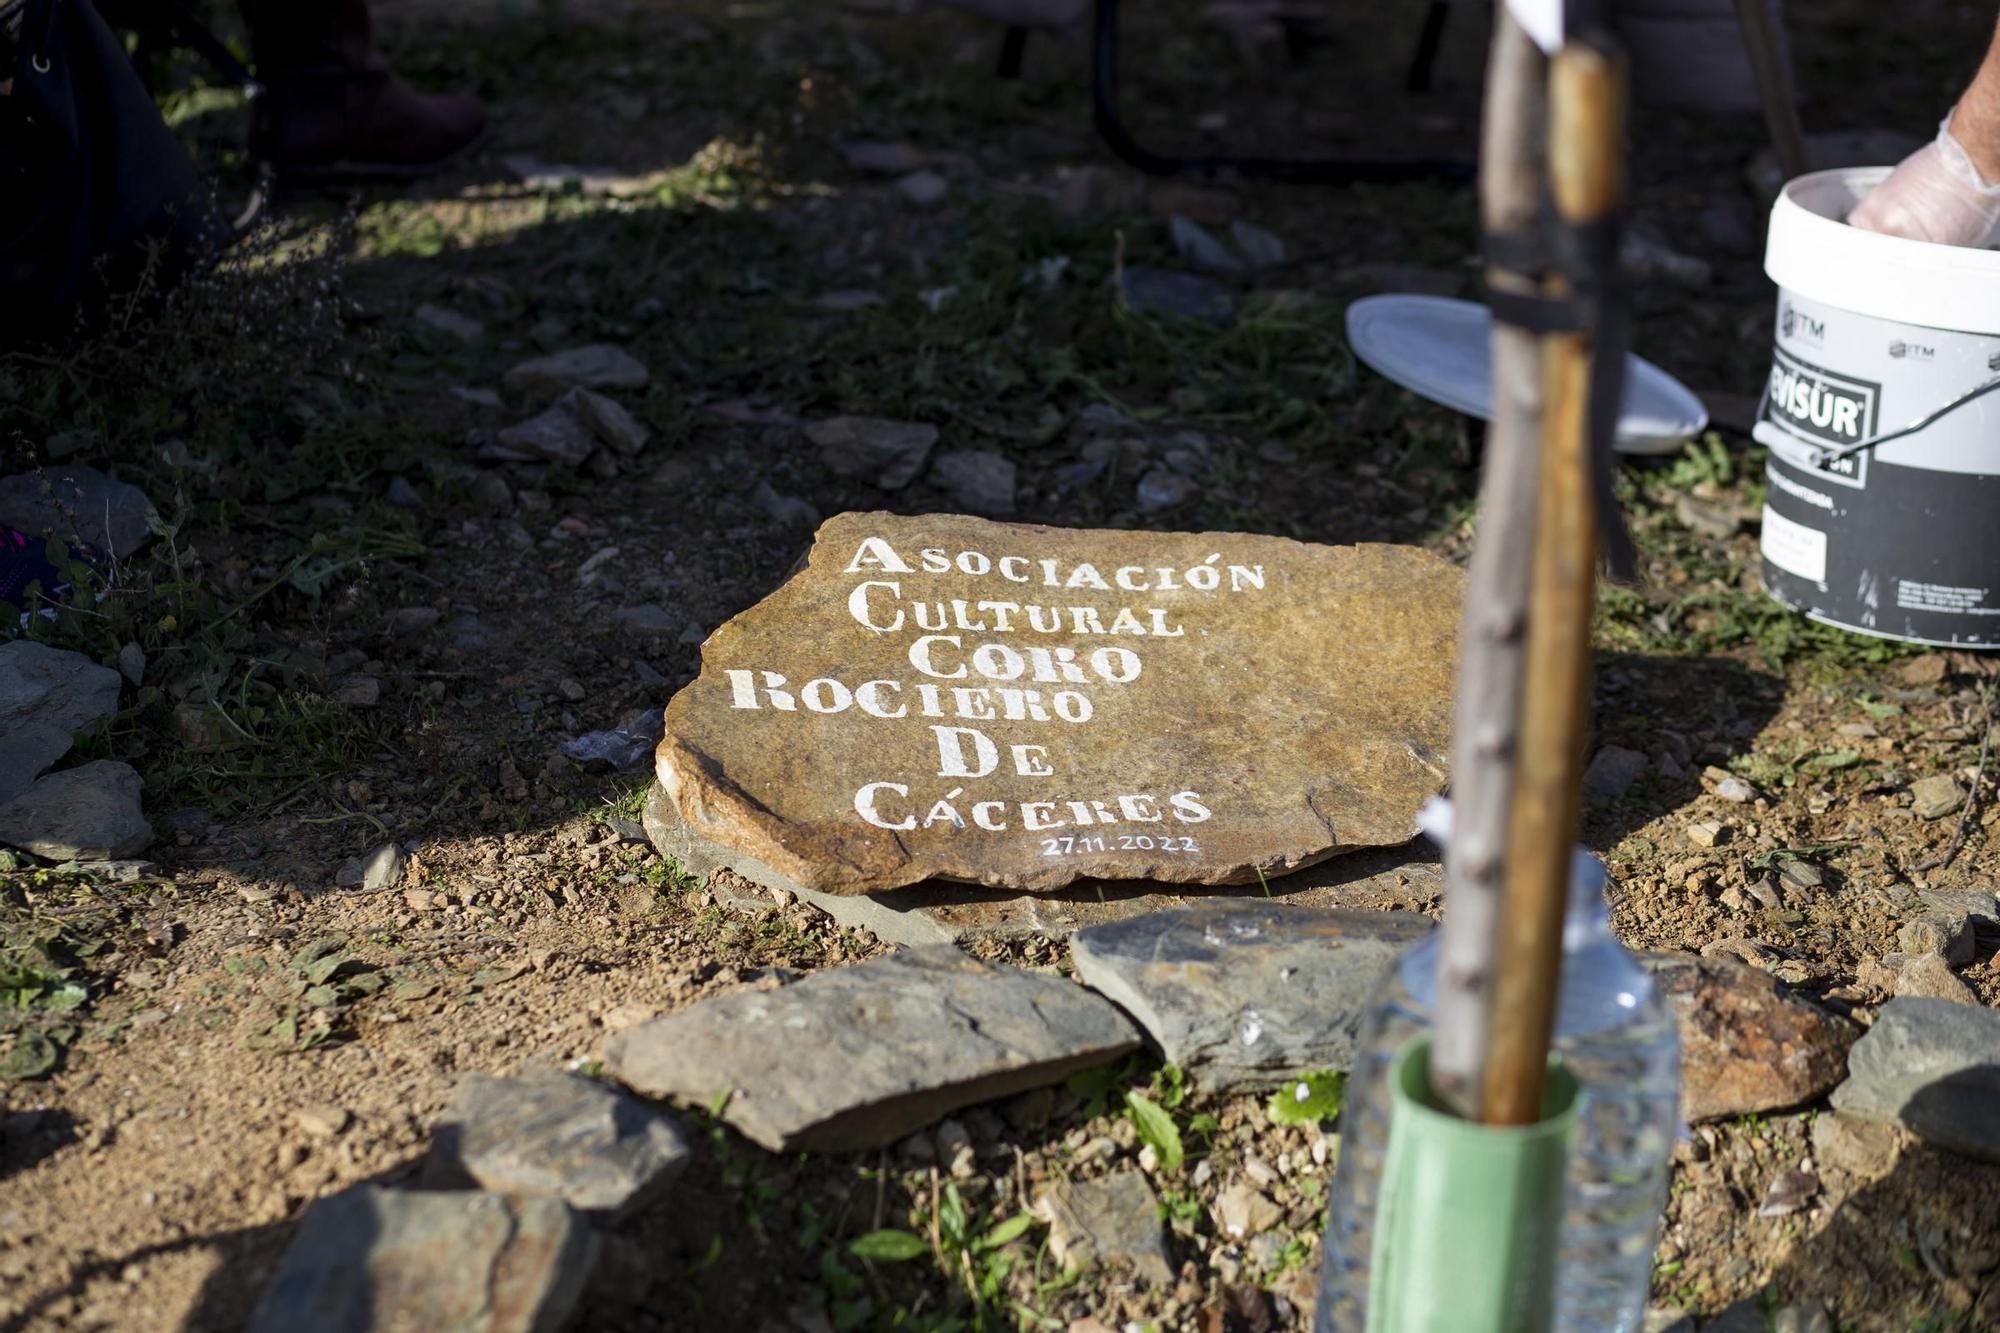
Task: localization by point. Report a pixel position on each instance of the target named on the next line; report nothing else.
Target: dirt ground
(295, 424)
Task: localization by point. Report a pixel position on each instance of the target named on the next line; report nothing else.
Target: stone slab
(943, 912)
(87, 813)
(858, 1057)
(1747, 1042)
(1193, 708)
(1112, 1220)
(1246, 995)
(74, 503)
(370, 1260)
(54, 688)
(603, 1153)
(1932, 1067)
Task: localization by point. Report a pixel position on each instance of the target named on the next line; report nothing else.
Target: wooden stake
(1586, 172)
(1493, 628)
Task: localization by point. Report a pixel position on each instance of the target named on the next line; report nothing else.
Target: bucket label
(1794, 547)
(1824, 409)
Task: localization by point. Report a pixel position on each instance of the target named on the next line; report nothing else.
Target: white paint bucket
(1882, 509)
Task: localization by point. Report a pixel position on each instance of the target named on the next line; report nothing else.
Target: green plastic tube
(1466, 1231)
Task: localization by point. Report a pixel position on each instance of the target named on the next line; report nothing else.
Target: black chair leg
(1424, 61)
(1013, 46)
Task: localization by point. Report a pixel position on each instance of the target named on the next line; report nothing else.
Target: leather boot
(332, 108)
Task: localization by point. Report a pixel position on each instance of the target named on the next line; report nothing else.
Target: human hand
(1935, 195)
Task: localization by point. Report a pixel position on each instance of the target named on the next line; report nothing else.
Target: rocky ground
(448, 485)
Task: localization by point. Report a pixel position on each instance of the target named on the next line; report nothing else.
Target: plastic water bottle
(1618, 1037)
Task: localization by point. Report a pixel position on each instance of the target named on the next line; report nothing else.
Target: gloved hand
(1935, 195)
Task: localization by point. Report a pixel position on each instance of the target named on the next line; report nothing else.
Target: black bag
(98, 201)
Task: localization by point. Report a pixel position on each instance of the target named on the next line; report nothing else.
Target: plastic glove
(1935, 195)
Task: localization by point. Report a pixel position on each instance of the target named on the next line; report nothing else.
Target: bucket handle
(1824, 458)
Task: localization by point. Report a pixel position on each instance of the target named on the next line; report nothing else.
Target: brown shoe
(332, 109)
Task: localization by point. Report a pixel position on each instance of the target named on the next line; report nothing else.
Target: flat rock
(1973, 900)
(1936, 796)
(1112, 1220)
(1926, 975)
(836, 740)
(1184, 295)
(371, 1259)
(606, 420)
(1246, 995)
(80, 505)
(942, 912)
(924, 189)
(1612, 772)
(558, 435)
(887, 454)
(1747, 1043)
(1932, 1067)
(603, 1153)
(26, 752)
(87, 813)
(53, 688)
(1855, 1145)
(857, 1057)
(599, 366)
(978, 479)
(1947, 934)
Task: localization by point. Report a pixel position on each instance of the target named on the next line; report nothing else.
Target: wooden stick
(1493, 626)
(1774, 86)
(1586, 172)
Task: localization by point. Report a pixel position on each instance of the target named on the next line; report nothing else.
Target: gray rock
(132, 663)
(1262, 248)
(601, 1152)
(857, 1057)
(78, 504)
(53, 688)
(87, 813)
(982, 482)
(1612, 772)
(924, 189)
(369, 1259)
(599, 366)
(1803, 1317)
(491, 492)
(383, 868)
(1866, 1149)
(1193, 243)
(1936, 796)
(1949, 935)
(1112, 1220)
(1927, 976)
(1735, 790)
(607, 420)
(450, 323)
(785, 510)
(1746, 1316)
(888, 454)
(26, 752)
(1246, 994)
(558, 435)
(1183, 295)
(483, 398)
(647, 621)
(617, 750)
(1932, 1067)
(1977, 902)
(408, 621)
(1162, 489)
